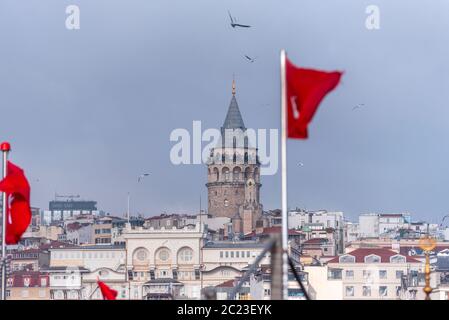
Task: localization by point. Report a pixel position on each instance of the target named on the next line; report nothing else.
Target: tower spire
(233, 85)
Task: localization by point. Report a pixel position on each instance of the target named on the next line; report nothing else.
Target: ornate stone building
(233, 181)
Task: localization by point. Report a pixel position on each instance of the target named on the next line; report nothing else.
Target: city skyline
(100, 102)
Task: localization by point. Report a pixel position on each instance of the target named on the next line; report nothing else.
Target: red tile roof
(271, 230)
(56, 244)
(316, 241)
(383, 253)
(226, 284)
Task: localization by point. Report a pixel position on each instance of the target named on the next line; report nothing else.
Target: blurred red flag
(305, 90)
(18, 210)
(108, 293)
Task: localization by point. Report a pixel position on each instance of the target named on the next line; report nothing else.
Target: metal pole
(92, 293)
(252, 268)
(127, 212)
(5, 148)
(284, 178)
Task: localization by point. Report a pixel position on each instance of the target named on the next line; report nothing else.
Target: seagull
(235, 24)
(250, 59)
(358, 106)
(142, 176)
(300, 164)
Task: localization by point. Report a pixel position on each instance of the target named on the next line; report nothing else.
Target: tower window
(226, 202)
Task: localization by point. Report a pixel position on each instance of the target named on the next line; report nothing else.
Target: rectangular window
(383, 274)
(366, 291)
(221, 254)
(399, 274)
(227, 254)
(248, 254)
(349, 274)
(232, 254)
(41, 293)
(383, 291)
(24, 293)
(366, 274)
(237, 254)
(349, 291)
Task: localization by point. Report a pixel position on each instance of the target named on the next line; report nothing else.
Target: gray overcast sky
(87, 111)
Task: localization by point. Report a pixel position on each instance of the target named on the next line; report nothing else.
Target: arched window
(236, 173)
(162, 254)
(347, 259)
(185, 255)
(372, 258)
(247, 172)
(226, 174)
(216, 174)
(397, 259)
(141, 256)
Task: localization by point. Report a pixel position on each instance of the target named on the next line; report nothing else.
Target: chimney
(396, 247)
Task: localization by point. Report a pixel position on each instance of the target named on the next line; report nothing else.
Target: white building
(225, 260)
(352, 231)
(373, 225)
(159, 259)
(376, 273)
(324, 284)
(369, 225)
(299, 218)
(89, 257)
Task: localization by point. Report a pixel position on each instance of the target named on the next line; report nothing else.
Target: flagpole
(5, 148)
(284, 228)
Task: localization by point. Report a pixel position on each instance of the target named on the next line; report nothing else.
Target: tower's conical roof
(234, 118)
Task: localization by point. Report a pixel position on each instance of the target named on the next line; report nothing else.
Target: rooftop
(383, 253)
(233, 118)
(233, 244)
(93, 247)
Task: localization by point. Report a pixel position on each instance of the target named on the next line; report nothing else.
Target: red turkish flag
(18, 211)
(305, 90)
(108, 293)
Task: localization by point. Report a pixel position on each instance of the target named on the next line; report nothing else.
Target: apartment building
(373, 273)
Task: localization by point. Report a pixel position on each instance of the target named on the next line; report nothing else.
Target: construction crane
(70, 196)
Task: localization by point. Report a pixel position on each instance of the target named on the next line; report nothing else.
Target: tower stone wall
(233, 175)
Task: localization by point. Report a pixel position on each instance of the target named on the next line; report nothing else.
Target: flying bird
(300, 164)
(235, 24)
(250, 59)
(358, 106)
(142, 176)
